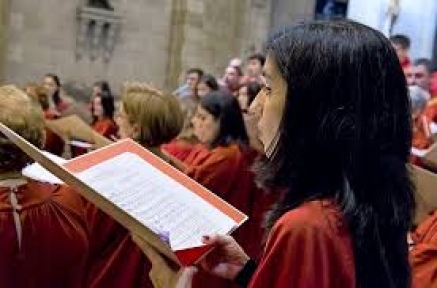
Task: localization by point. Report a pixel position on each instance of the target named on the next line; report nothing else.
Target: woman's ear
(136, 131)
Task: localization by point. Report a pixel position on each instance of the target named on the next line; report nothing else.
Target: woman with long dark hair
(53, 84)
(102, 109)
(336, 129)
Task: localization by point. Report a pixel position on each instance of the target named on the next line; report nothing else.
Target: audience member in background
(247, 93)
(102, 109)
(52, 142)
(421, 133)
(401, 44)
(52, 83)
(236, 62)
(254, 69)
(207, 84)
(231, 79)
(44, 233)
(186, 142)
(189, 89)
(151, 118)
(420, 74)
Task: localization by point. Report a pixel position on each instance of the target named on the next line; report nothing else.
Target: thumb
(186, 278)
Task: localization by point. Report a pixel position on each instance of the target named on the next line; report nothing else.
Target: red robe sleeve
(179, 149)
(423, 256)
(106, 127)
(303, 252)
(215, 170)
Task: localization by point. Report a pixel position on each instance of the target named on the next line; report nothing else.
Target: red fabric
(431, 110)
(115, 260)
(53, 143)
(423, 256)
(106, 127)
(198, 152)
(420, 139)
(62, 106)
(309, 247)
(54, 244)
(226, 172)
(179, 149)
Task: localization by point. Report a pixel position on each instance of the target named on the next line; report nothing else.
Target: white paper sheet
(419, 152)
(36, 172)
(156, 200)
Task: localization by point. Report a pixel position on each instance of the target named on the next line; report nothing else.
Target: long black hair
(346, 135)
(107, 100)
(225, 109)
(56, 97)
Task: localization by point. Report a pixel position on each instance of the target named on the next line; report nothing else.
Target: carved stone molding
(97, 33)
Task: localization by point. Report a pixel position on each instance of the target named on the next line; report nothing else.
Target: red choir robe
(54, 237)
(115, 260)
(106, 127)
(53, 143)
(225, 170)
(179, 148)
(309, 247)
(423, 255)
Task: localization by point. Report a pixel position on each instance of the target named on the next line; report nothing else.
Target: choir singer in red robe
(151, 118)
(336, 129)
(43, 228)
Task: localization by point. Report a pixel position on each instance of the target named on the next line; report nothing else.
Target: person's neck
(12, 179)
(157, 152)
(10, 175)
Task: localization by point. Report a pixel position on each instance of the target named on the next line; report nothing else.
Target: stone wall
(42, 39)
(207, 33)
(4, 16)
(158, 40)
(286, 12)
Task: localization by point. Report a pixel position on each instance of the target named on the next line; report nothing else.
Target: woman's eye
(268, 90)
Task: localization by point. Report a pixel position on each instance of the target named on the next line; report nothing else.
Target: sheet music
(156, 200)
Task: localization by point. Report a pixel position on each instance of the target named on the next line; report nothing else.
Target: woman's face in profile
(50, 84)
(126, 129)
(98, 108)
(274, 93)
(206, 127)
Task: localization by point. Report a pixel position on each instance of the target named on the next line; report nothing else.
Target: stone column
(4, 19)
(207, 33)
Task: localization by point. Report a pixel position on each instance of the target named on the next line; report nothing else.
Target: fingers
(217, 240)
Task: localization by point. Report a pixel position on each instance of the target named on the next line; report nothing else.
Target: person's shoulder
(313, 217)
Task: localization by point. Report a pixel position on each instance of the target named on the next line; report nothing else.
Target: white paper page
(36, 172)
(80, 144)
(433, 128)
(418, 152)
(156, 200)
